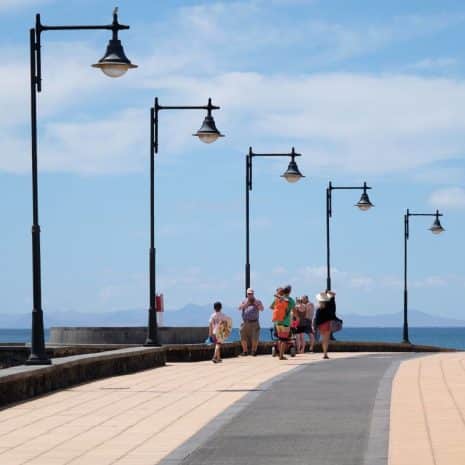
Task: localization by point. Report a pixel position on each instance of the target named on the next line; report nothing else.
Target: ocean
(444, 337)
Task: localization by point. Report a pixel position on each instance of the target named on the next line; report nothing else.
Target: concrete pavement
(252, 410)
(320, 414)
(428, 412)
(135, 419)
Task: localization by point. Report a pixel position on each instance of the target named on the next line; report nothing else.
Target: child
(219, 329)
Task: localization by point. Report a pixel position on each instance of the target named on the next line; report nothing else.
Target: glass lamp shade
(436, 227)
(208, 132)
(292, 173)
(114, 63)
(364, 203)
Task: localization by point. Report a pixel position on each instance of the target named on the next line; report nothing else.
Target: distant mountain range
(198, 315)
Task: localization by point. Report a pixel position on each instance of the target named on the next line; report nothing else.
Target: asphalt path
(331, 413)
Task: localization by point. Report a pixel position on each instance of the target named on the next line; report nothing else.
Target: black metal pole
(152, 329)
(405, 338)
(328, 215)
(248, 187)
(38, 355)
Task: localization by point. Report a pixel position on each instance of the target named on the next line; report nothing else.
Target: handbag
(336, 325)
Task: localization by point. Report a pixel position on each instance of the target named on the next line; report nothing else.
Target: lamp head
(114, 63)
(208, 132)
(364, 203)
(436, 227)
(292, 174)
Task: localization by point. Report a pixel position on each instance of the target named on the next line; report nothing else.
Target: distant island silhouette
(197, 315)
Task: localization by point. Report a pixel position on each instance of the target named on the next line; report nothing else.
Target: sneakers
(243, 354)
(254, 354)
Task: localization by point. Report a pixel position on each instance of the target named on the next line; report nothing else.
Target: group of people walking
(290, 317)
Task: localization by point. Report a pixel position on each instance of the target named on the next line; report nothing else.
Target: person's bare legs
(325, 343)
(254, 346)
(300, 341)
(244, 347)
(282, 350)
(312, 341)
(217, 354)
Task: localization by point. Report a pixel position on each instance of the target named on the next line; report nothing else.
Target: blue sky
(364, 90)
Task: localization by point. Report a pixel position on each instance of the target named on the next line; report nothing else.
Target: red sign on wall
(159, 303)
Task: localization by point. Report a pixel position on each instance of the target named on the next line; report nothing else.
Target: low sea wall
(17, 354)
(126, 335)
(24, 382)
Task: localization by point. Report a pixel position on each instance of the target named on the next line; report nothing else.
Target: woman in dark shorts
(310, 309)
(301, 317)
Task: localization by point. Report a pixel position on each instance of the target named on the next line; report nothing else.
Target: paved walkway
(428, 412)
(252, 410)
(135, 419)
(319, 415)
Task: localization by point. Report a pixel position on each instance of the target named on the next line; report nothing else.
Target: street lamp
(207, 133)
(436, 228)
(363, 204)
(291, 175)
(113, 64)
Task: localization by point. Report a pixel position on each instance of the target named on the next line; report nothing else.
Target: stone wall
(126, 335)
(24, 382)
(17, 354)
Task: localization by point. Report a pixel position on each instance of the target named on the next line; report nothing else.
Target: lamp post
(363, 204)
(292, 174)
(436, 229)
(207, 133)
(114, 63)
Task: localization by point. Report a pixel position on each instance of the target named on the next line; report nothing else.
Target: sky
(366, 91)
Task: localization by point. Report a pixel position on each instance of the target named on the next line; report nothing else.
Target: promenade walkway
(428, 411)
(254, 410)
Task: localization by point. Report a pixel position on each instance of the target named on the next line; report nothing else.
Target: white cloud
(279, 270)
(434, 64)
(449, 197)
(439, 175)
(431, 281)
(354, 123)
(11, 5)
(351, 122)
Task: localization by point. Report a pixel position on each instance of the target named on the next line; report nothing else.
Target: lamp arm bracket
(184, 107)
(276, 155)
(350, 187)
(115, 26)
(425, 214)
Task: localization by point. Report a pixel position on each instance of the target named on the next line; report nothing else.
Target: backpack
(279, 309)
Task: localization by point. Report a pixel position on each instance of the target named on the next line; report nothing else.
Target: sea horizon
(448, 337)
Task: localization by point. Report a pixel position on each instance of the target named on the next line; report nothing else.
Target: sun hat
(250, 290)
(322, 297)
